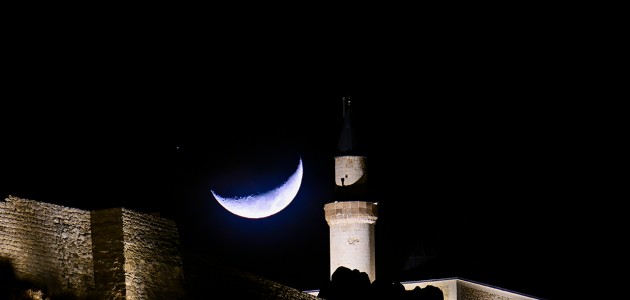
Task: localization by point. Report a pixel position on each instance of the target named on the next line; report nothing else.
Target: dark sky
(466, 160)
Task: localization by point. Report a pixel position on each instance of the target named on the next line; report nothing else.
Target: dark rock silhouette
(14, 288)
(428, 293)
(387, 289)
(346, 284)
(7, 279)
(208, 278)
(349, 284)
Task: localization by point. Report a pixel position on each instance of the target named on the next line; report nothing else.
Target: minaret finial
(345, 103)
(346, 139)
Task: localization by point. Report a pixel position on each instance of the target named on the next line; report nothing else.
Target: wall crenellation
(113, 253)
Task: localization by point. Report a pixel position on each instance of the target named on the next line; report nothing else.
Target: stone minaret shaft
(351, 219)
(352, 235)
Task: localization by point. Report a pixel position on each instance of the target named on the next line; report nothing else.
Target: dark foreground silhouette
(13, 288)
(207, 279)
(349, 284)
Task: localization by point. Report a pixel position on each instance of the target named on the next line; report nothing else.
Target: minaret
(351, 217)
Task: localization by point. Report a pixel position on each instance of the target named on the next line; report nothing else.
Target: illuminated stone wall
(108, 249)
(47, 244)
(353, 170)
(460, 289)
(111, 254)
(153, 262)
(352, 242)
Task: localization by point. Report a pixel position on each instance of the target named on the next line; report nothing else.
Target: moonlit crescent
(264, 204)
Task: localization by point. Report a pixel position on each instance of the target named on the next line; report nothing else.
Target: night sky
(467, 164)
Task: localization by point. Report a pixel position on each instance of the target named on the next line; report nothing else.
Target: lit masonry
(351, 221)
(113, 253)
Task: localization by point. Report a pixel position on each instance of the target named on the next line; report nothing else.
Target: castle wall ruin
(114, 253)
(153, 262)
(47, 244)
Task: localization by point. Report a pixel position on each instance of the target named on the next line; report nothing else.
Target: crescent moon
(264, 204)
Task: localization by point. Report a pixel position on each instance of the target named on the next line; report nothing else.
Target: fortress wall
(48, 244)
(153, 261)
(108, 248)
(113, 253)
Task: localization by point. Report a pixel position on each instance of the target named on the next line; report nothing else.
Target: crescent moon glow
(264, 204)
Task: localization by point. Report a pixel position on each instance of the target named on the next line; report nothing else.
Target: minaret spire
(347, 140)
(345, 102)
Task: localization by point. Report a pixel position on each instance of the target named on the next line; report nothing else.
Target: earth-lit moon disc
(264, 204)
